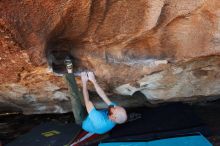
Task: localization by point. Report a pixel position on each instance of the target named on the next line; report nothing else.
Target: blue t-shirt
(98, 122)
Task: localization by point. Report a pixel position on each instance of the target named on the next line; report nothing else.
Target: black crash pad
(160, 122)
(48, 134)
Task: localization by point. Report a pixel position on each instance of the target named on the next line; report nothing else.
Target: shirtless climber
(97, 121)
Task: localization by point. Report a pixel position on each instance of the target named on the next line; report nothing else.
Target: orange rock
(166, 49)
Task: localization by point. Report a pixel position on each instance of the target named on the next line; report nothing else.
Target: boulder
(168, 50)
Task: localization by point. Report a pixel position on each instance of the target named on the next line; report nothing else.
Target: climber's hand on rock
(91, 76)
(84, 77)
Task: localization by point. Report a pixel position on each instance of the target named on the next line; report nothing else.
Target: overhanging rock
(166, 49)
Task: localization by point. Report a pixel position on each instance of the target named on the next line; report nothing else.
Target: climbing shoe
(69, 65)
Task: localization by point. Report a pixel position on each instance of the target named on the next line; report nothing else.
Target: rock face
(166, 49)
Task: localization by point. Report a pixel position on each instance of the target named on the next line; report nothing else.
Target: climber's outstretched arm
(88, 103)
(99, 90)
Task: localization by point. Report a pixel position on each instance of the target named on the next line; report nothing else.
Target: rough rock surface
(166, 49)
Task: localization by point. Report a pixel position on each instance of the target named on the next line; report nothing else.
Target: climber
(97, 121)
(100, 121)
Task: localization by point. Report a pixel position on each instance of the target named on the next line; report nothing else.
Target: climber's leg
(76, 98)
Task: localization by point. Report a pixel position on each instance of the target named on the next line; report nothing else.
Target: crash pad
(48, 134)
(164, 121)
(194, 140)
